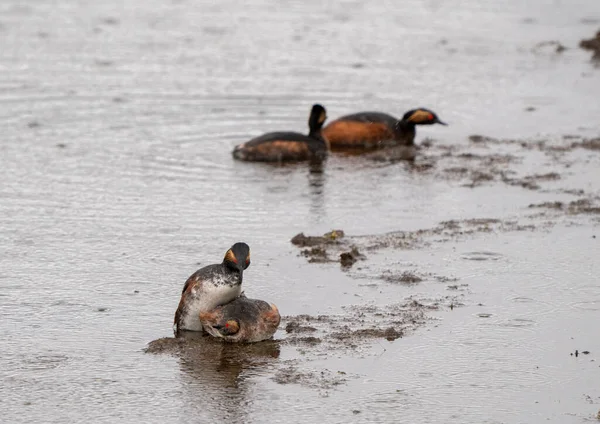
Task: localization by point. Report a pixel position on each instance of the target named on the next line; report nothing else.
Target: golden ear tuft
(232, 326)
(230, 257)
(420, 116)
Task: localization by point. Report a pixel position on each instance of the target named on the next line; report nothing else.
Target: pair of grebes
(212, 300)
(359, 132)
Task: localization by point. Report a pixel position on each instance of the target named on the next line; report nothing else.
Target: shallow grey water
(148, 98)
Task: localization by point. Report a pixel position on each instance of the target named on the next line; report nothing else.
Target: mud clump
(316, 254)
(389, 334)
(359, 325)
(406, 277)
(531, 181)
(548, 205)
(576, 207)
(295, 327)
(543, 145)
(331, 237)
(592, 44)
(347, 259)
(324, 379)
(477, 138)
(590, 144)
(307, 340)
(319, 248)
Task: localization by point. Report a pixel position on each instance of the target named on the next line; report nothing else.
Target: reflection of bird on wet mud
(316, 188)
(212, 286)
(288, 146)
(214, 374)
(367, 131)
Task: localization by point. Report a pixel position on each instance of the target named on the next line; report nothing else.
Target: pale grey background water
(149, 97)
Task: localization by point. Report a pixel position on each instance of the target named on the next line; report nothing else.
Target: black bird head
(421, 116)
(237, 257)
(317, 118)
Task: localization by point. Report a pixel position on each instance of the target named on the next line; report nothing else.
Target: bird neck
(405, 130)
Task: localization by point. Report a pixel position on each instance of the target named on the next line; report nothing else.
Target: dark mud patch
(324, 379)
(592, 44)
(530, 182)
(538, 165)
(360, 325)
(576, 207)
(332, 237)
(347, 259)
(589, 144)
(552, 46)
(390, 334)
(567, 144)
(316, 254)
(295, 327)
(407, 277)
(488, 161)
(445, 231)
(330, 247)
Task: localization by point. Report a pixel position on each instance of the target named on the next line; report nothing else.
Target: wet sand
(472, 283)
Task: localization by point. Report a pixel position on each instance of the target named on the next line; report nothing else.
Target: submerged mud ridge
(351, 333)
(487, 160)
(483, 161)
(576, 207)
(445, 231)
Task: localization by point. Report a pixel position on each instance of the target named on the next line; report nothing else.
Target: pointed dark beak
(437, 121)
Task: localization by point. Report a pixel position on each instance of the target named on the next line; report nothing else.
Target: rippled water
(117, 183)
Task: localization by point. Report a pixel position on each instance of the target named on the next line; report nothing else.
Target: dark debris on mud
(361, 324)
(576, 207)
(407, 277)
(592, 44)
(482, 161)
(324, 379)
(323, 249)
(488, 161)
(445, 231)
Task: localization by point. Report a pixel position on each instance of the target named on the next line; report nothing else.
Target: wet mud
(352, 333)
(330, 247)
(484, 161)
